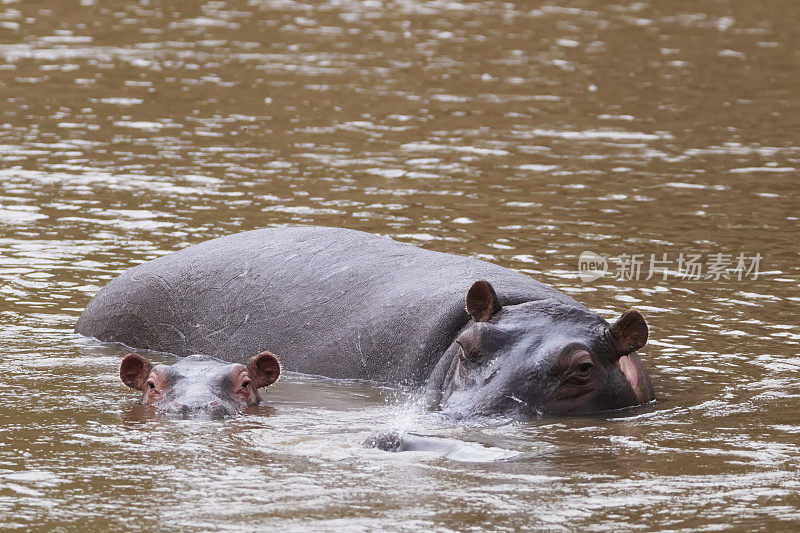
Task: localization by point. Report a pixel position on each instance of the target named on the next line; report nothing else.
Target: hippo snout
(216, 410)
(181, 409)
(213, 409)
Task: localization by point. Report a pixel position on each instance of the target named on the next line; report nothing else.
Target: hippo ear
(134, 371)
(264, 369)
(630, 332)
(482, 301)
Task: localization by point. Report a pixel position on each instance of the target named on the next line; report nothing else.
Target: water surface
(517, 132)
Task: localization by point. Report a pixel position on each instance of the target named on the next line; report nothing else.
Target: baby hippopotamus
(199, 384)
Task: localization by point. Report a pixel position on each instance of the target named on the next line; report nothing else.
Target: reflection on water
(520, 134)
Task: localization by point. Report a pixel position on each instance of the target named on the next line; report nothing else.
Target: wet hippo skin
(347, 304)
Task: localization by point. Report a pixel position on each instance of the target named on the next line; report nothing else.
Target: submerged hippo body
(347, 304)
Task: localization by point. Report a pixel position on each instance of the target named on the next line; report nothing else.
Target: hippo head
(545, 358)
(200, 385)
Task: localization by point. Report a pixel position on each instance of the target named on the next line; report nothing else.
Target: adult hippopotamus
(347, 304)
(199, 384)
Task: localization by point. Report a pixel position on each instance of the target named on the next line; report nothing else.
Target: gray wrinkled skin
(332, 302)
(347, 304)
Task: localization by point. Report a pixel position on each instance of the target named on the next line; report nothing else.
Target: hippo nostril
(216, 410)
(181, 409)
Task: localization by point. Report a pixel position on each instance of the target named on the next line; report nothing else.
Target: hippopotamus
(485, 339)
(199, 384)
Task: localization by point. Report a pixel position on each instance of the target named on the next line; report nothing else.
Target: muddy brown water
(522, 133)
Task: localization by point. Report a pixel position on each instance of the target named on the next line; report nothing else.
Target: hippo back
(332, 302)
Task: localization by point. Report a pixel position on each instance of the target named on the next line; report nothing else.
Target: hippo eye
(151, 384)
(245, 384)
(578, 367)
(469, 357)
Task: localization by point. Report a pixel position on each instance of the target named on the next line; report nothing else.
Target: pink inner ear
(264, 369)
(134, 371)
